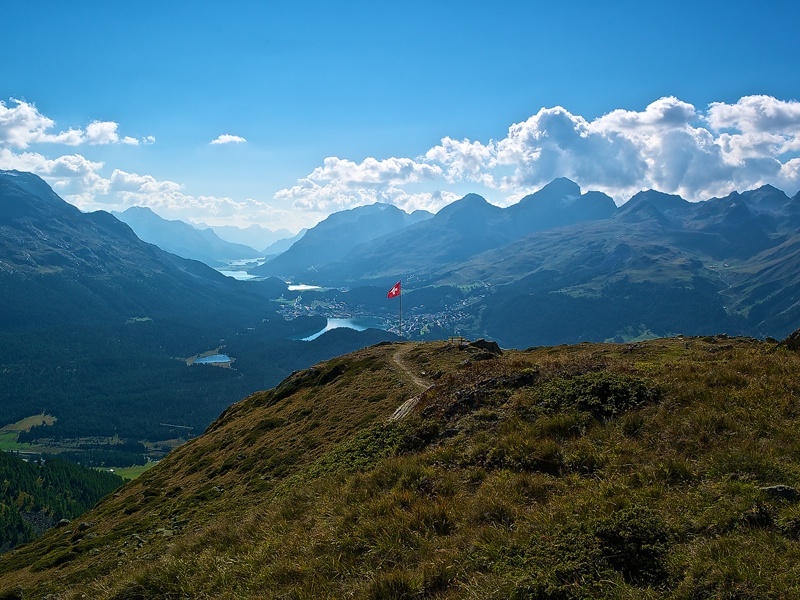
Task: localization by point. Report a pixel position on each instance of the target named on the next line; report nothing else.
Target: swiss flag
(395, 291)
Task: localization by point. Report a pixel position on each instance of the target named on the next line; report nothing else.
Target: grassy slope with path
(596, 470)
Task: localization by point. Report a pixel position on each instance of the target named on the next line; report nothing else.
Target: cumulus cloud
(169, 200)
(81, 182)
(665, 114)
(341, 195)
(670, 145)
(763, 114)
(756, 127)
(105, 132)
(22, 125)
(391, 171)
(227, 138)
(464, 160)
(341, 184)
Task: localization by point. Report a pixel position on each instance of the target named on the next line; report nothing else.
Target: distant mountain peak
(563, 186)
(181, 238)
(559, 192)
(667, 204)
(140, 209)
(642, 211)
(766, 196)
(474, 198)
(469, 203)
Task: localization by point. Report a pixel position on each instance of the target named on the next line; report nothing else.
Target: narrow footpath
(420, 383)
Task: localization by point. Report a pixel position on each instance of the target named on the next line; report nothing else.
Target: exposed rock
(39, 521)
(784, 492)
(488, 346)
(792, 342)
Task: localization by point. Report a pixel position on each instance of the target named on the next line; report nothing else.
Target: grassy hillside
(662, 469)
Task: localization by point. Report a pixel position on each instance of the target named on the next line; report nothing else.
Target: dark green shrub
(635, 542)
(601, 393)
(15, 594)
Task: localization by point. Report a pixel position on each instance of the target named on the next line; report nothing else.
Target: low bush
(602, 393)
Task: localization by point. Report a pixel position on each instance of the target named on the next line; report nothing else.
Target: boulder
(792, 342)
(783, 492)
(487, 346)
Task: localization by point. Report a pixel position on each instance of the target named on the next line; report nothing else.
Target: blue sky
(328, 105)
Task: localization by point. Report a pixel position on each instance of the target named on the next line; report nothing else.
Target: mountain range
(183, 239)
(101, 327)
(283, 244)
(336, 236)
(89, 307)
(254, 236)
(658, 468)
(565, 266)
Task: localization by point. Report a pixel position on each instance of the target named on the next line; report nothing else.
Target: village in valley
(418, 320)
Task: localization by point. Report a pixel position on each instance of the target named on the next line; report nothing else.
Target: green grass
(8, 441)
(589, 471)
(28, 422)
(10, 433)
(134, 471)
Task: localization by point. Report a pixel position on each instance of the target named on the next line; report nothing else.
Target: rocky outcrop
(792, 342)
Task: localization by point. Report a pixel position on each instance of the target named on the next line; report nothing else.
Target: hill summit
(661, 469)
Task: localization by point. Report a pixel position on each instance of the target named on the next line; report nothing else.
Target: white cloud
(341, 184)
(555, 143)
(763, 114)
(122, 190)
(70, 175)
(227, 138)
(105, 132)
(665, 114)
(464, 160)
(392, 171)
(338, 195)
(22, 125)
(80, 181)
(756, 127)
(670, 145)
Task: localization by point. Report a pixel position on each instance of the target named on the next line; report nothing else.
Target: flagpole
(401, 311)
(397, 290)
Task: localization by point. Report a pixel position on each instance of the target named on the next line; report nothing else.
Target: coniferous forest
(37, 495)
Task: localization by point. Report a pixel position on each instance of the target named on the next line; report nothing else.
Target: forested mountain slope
(37, 495)
(99, 328)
